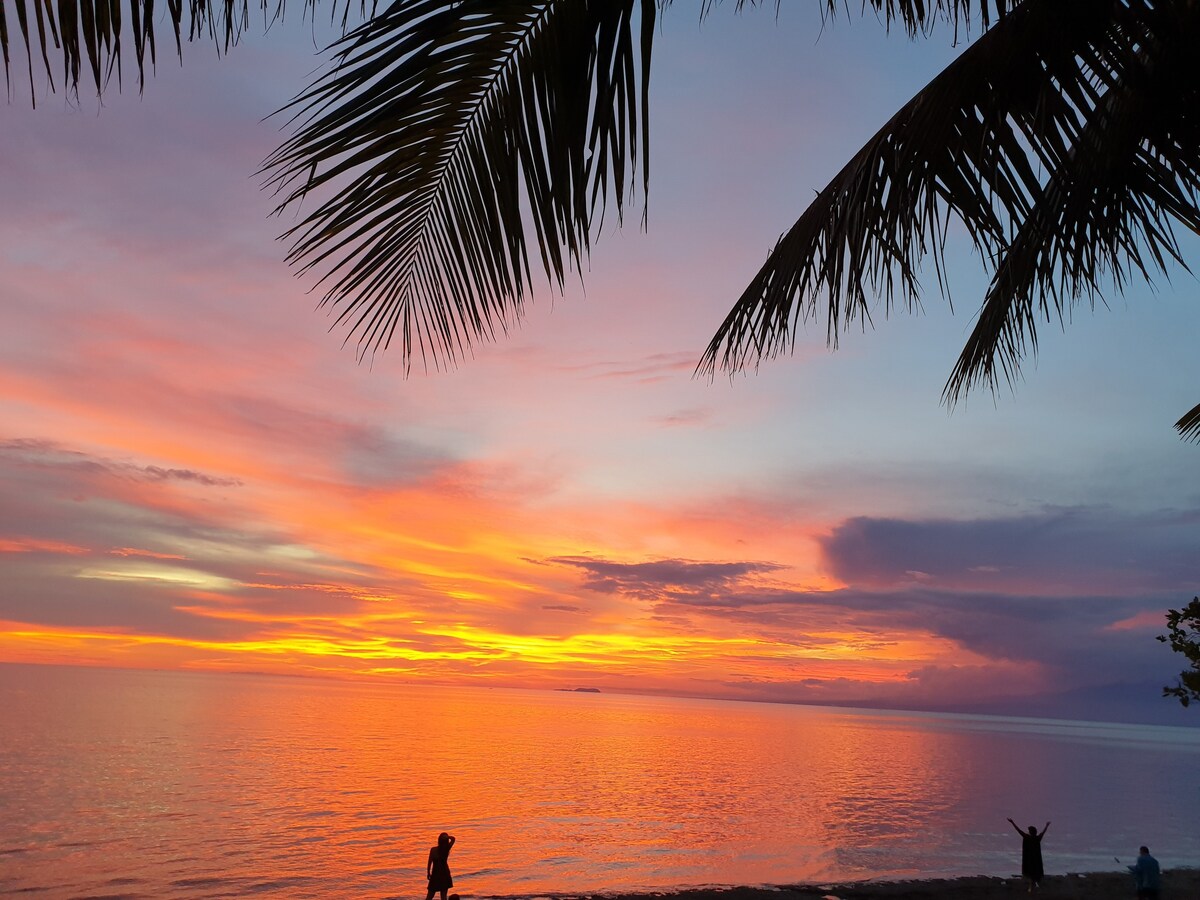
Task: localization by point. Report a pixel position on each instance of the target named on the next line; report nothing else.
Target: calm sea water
(165, 784)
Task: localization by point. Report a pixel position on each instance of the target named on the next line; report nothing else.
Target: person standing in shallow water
(1031, 855)
(438, 867)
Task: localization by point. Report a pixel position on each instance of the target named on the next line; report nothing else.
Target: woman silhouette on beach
(438, 867)
(1031, 855)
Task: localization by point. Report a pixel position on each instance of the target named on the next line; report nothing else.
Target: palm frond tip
(1189, 425)
(443, 142)
(88, 38)
(1066, 141)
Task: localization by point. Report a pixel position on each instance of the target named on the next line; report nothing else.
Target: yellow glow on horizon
(449, 575)
(463, 653)
(307, 645)
(457, 591)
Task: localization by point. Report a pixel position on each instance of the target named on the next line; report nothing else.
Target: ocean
(123, 783)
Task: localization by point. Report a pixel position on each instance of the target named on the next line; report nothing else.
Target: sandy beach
(1178, 884)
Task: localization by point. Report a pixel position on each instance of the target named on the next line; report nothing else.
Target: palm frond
(1064, 140)
(435, 122)
(1130, 169)
(1189, 426)
(88, 37)
(867, 231)
(921, 16)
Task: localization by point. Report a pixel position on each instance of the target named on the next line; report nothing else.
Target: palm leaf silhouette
(88, 34)
(449, 137)
(445, 135)
(1065, 140)
(1189, 425)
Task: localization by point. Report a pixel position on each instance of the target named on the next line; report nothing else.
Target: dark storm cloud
(1078, 550)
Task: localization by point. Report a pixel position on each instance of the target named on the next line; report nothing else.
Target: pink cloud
(33, 545)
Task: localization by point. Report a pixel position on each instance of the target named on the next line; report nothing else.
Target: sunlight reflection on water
(200, 785)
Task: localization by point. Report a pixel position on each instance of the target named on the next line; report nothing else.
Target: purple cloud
(1061, 551)
(666, 578)
(30, 453)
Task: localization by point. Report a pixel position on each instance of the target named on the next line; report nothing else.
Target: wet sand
(1177, 884)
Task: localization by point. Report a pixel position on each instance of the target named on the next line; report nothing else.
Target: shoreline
(1177, 884)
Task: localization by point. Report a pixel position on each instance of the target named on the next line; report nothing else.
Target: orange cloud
(33, 545)
(133, 551)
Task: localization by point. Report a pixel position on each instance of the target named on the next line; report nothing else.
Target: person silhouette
(438, 867)
(1146, 875)
(1031, 855)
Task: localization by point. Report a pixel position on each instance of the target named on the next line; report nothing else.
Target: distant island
(580, 690)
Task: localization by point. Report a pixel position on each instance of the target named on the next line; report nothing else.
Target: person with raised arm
(1031, 855)
(438, 867)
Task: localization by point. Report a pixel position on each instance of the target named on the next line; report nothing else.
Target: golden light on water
(337, 789)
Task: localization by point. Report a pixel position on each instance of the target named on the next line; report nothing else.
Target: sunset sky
(196, 473)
